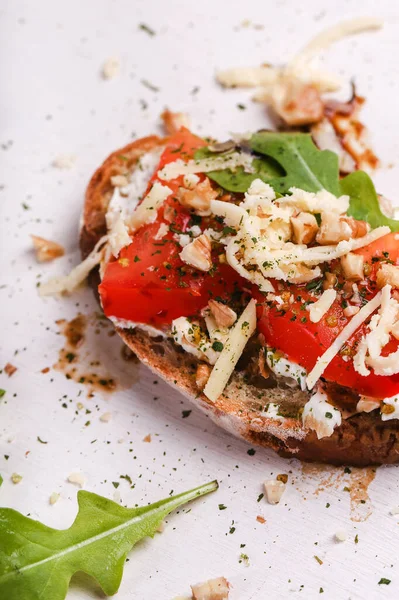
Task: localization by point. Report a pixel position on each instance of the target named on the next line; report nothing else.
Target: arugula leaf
(238, 180)
(37, 561)
(306, 167)
(288, 159)
(364, 204)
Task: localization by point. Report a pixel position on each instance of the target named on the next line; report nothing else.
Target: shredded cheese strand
(326, 38)
(347, 332)
(68, 283)
(232, 350)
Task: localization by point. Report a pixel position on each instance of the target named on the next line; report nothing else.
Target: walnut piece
(173, 121)
(198, 253)
(298, 103)
(304, 228)
(202, 375)
(46, 250)
(352, 266)
(388, 275)
(198, 198)
(214, 589)
(274, 489)
(335, 229)
(330, 279)
(9, 369)
(223, 315)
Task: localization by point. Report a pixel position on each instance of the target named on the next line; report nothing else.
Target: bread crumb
(111, 68)
(46, 250)
(147, 438)
(9, 369)
(16, 478)
(341, 535)
(214, 589)
(260, 519)
(54, 498)
(394, 510)
(76, 478)
(45, 370)
(64, 161)
(106, 417)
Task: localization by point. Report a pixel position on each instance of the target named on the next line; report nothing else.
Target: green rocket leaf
(306, 167)
(283, 160)
(364, 204)
(38, 562)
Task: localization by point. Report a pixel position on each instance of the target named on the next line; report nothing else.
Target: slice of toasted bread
(361, 440)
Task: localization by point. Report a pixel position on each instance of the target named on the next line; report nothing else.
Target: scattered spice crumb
(147, 438)
(260, 519)
(147, 29)
(341, 535)
(251, 451)
(111, 68)
(9, 369)
(282, 477)
(318, 560)
(76, 478)
(45, 370)
(244, 558)
(46, 250)
(16, 478)
(54, 498)
(150, 86)
(39, 439)
(106, 417)
(384, 581)
(356, 539)
(64, 161)
(2, 393)
(185, 413)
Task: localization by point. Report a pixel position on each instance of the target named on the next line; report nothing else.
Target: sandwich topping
(258, 246)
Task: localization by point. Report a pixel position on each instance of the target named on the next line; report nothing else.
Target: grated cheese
(323, 361)
(147, 211)
(68, 283)
(321, 416)
(232, 350)
(229, 161)
(318, 309)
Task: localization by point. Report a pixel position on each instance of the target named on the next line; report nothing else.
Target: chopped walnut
(214, 589)
(298, 103)
(9, 369)
(304, 228)
(202, 375)
(198, 253)
(263, 370)
(198, 198)
(351, 310)
(335, 229)
(388, 275)
(330, 279)
(274, 489)
(46, 250)
(223, 315)
(173, 121)
(352, 266)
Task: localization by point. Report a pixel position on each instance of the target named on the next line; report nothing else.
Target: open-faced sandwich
(262, 285)
(256, 275)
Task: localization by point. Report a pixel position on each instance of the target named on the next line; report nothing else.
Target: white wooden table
(53, 102)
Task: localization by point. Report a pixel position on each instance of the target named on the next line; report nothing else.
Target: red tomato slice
(149, 283)
(303, 341)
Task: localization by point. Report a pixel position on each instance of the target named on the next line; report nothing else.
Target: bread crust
(362, 440)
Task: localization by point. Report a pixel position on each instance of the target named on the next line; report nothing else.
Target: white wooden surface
(53, 101)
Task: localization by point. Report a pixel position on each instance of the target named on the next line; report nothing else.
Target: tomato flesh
(149, 283)
(292, 332)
